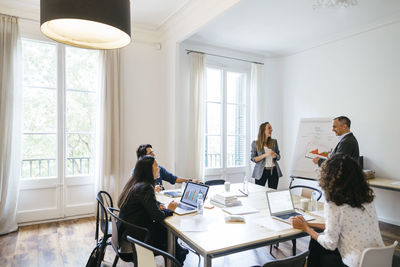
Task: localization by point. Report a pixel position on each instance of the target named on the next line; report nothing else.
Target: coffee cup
(304, 204)
(227, 186)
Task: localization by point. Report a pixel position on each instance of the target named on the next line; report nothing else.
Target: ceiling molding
(192, 16)
(345, 35)
(20, 9)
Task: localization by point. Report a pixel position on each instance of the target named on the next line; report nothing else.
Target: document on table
(193, 224)
(240, 210)
(319, 213)
(273, 225)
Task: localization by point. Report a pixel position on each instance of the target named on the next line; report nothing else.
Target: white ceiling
(150, 14)
(281, 27)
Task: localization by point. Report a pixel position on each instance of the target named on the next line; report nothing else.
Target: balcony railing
(214, 160)
(47, 167)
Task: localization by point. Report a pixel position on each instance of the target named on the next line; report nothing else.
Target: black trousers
(272, 178)
(321, 257)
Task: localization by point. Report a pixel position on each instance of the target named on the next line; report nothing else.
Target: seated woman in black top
(139, 206)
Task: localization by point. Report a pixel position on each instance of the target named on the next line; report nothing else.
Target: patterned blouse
(351, 230)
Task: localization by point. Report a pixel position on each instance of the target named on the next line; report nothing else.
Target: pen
(243, 193)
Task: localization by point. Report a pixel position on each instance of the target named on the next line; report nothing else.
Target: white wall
(144, 105)
(357, 77)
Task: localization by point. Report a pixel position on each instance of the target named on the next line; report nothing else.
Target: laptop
(281, 206)
(188, 202)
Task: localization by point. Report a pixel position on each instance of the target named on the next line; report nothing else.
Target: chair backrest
(214, 182)
(115, 242)
(294, 261)
(309, 188)
(381, 256)
(114, 236)
(104, 201)
(145, 254)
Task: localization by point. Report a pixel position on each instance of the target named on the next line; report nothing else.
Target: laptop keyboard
(287, 216)
(184, 207)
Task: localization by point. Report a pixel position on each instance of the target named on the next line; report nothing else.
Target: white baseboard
(386, 220)
(57, 220)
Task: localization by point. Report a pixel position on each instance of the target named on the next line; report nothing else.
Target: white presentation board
(315, 138)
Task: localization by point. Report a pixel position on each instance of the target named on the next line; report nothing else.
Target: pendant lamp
(96, 24)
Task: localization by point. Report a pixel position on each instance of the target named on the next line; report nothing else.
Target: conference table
(211, 236)
(385, 183)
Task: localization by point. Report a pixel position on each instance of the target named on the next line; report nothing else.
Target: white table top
(211, 235)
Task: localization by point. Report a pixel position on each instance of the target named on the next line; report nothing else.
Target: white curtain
(197, 80)
(110, 128)
(256, 98)
(256, 101)
(10, 111)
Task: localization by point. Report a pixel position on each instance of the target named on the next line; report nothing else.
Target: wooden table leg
(207, 261)
(171, 247)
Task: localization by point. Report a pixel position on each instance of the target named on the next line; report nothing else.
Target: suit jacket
(259, 167)
(348, 145)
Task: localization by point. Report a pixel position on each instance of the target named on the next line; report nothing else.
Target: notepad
(240, 210)
(273, 225)
(173, 193)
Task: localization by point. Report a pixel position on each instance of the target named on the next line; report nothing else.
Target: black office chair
(145, 253)
(294, 261)
(215, 182)
(310, 188)
(120, 247)
(103, 221)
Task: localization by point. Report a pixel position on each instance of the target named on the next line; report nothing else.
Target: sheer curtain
(10, 110)
(110, 127)
(256, 101)
(197, 80)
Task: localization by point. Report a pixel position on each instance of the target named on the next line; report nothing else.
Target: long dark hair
(343, 182)
(262, 139)
(143, 173)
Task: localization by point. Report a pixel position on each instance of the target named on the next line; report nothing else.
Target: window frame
(61, 124)
(224, 171)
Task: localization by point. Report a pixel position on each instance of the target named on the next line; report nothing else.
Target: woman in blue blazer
(265, 154)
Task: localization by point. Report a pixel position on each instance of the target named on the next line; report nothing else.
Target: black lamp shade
(97, 24)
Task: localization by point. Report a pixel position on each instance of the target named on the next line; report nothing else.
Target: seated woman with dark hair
(351, 223)
(138, 205)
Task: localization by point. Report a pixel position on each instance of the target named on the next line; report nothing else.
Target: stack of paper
(226, 199)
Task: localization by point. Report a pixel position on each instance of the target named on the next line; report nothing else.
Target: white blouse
(269, 160)
(351, 230)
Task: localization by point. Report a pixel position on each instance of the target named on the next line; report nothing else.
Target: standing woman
(265, 154)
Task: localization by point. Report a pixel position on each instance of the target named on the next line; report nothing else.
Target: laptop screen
(279, 201)
(191, 192)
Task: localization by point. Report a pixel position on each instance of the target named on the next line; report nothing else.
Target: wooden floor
(69, 243)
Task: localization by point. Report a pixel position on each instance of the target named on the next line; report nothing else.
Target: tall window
(226, 119)
(59, 109)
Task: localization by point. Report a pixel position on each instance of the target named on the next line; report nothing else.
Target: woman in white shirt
(351, 224)
(265, 154)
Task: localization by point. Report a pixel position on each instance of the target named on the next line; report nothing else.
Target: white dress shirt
(351, 230)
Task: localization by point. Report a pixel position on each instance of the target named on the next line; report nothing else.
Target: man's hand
(196, 181)
(316, 159)
(158, 188)
(172, 205)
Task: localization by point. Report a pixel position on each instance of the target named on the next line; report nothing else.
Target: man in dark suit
(347, 142)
